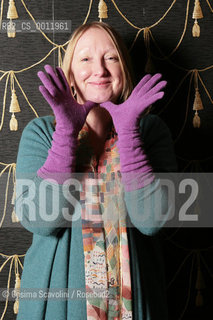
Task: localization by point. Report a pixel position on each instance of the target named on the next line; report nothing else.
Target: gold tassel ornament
(16, 293)
(199, 299)
(14, 216)
(196, 29)
(14, 194)
(196, 120)
(14, 107)
(102, 10)
(11, 14)
(17, 286)
(197, 106)
(13, 123)
(197, 14)
(149, 67)
(16, 307)
(11, 30)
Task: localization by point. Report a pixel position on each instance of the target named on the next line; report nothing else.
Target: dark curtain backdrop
(182, 248)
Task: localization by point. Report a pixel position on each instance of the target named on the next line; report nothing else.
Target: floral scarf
(105, 241)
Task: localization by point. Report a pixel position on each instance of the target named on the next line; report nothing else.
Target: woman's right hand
(69, 114)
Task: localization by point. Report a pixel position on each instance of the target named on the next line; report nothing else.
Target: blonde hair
(122, 51)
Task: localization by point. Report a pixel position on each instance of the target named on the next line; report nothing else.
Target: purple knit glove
(70, 118)
(135, 168)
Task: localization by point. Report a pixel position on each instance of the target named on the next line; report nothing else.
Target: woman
(104, 242)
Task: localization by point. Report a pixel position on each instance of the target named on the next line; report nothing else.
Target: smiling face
(96, 72)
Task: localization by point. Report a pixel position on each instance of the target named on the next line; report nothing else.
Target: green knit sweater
(55, 258)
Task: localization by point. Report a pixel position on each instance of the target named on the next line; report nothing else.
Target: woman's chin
(101, 98)
(98, 99)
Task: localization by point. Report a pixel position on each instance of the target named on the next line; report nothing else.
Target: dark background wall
(184, 247)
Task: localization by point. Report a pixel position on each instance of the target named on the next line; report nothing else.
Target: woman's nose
(99, 68)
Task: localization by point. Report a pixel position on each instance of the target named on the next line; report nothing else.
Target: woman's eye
(112, 58)
(85, 59)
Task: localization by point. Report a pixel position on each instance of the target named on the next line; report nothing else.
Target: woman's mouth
(100, 84)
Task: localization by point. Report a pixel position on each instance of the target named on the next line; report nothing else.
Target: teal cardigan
(55, 258)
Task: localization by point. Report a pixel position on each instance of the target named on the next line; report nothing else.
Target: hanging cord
(1, 13)
(174, 64)
(207, 92)
(8, 286)
(4, 98)
(26, 97)
(206, 266)
(31, 16)
(181, 38)
(37, 63)
(12, 74)
(209, 5)
(88, 13)
(179, 269)
(183, 33)
(174, 243)
(179, 42)
(180, 84)
(136, 27)
(10, 166)
(187, 109)
(17, 260)
(189, 289)
(177, 89)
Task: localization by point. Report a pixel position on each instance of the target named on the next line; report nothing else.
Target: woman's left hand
(135, 168)
(127, 114)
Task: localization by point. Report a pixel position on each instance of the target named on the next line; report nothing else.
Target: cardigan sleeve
(150, 207)
(42, 206)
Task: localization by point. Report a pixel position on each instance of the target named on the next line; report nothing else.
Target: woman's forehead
(95, 37)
